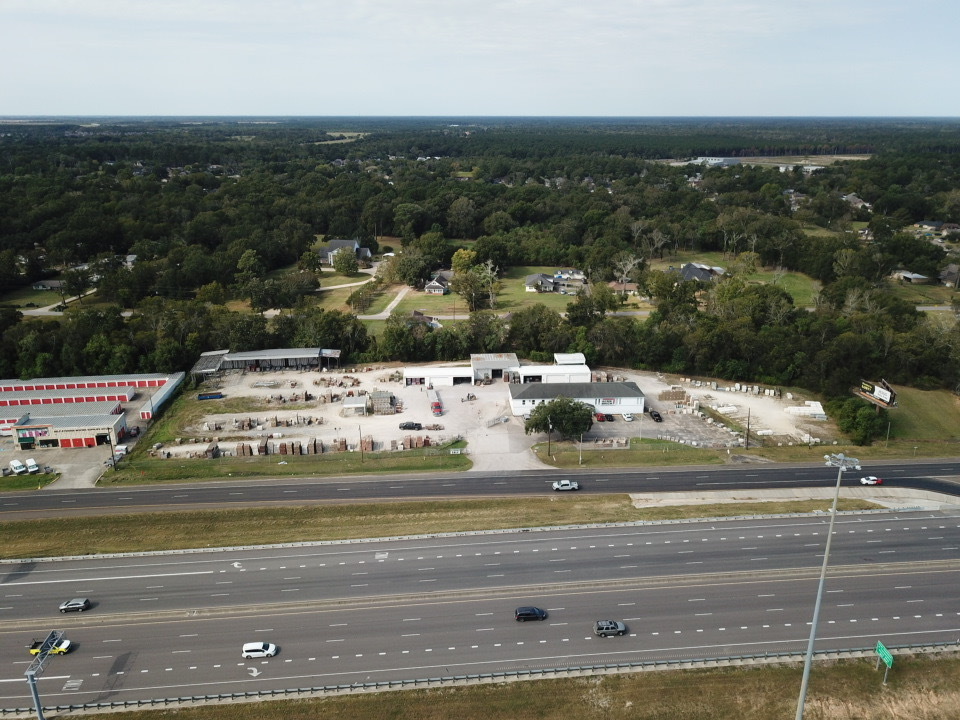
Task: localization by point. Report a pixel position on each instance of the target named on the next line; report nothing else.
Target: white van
(32, 466)
(17, 467)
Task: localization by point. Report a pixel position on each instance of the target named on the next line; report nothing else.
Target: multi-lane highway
(936, 475)
(172, 625)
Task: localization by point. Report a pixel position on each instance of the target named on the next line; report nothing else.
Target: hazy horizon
(503, 58)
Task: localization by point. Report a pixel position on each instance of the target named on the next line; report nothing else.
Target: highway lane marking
(118, 577)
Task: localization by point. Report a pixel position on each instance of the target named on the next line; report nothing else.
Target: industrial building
(610, 397)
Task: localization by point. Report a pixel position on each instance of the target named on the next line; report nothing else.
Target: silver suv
(604, 628)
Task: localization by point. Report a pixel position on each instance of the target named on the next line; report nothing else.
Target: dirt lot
(492, 445)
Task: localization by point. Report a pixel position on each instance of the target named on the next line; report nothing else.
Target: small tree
(569, 418)
(345, 262)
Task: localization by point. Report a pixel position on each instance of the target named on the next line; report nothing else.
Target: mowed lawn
(925, 416)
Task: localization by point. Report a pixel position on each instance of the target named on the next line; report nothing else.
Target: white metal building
(438, 376)
(550, 374)
(610, 397)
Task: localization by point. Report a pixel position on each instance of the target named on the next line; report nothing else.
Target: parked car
(608, 417)
(258, 650)
(606, 628)
(522, 614)
(871, 480)
(411, 426)
(566, 485)
(655, 416)
(628, 417)
(600, 417)
(32, 466)
(17, 467)
(75, 605)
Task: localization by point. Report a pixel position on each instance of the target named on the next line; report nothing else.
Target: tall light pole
(581, 448)
(841, 462)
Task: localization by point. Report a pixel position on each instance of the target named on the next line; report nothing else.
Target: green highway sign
(884, 654)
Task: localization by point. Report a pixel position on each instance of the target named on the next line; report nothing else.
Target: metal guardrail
(493, 677)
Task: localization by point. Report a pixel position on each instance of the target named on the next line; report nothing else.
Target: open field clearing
(920, 688)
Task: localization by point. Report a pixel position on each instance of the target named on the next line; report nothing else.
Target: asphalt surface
(936, 476)
(172, 625)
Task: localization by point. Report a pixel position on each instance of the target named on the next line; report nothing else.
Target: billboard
(879, 393)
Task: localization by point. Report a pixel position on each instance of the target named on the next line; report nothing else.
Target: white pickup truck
(566, 485)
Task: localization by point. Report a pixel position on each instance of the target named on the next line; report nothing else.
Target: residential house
(440, 283)
(330, 249)
(539, 283)
(950, 275)
(619, 288)
(418, 318)
(700, 273)
(856, 202)
(48, 285)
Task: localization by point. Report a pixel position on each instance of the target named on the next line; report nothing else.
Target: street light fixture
(841, 462)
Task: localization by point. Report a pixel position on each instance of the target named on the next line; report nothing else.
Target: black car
(75, 605)
(522, 614)
(608, 417)
(411, 426)
(657, 417)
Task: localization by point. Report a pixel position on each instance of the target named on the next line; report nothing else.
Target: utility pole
(841, 462)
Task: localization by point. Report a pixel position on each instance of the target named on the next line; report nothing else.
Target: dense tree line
(211, 209)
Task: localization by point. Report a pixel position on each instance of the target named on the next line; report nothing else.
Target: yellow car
(62, 647)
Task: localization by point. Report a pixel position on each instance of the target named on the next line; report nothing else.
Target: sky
(843, 58)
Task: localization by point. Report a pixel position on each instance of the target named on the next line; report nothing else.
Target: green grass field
(225, 528)
(23, 297)
(919, 688)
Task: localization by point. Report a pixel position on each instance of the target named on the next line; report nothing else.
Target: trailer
(436, 407)
(210, 396)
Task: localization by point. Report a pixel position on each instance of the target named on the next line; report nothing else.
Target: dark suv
(522, 614)
(411, 426)
(655, 416)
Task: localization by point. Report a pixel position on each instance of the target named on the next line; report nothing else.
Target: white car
(258, 650)
(627, 417)
(871, 480)
(566, 485)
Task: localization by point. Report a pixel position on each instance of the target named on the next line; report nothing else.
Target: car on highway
(528, 612)
(655, 416)
(561, 485)
(627, 417)
(606, 628)
(61, 647)
(600, 417)
(75, 605)
(871, 480)
(258, 650)
(411, 426)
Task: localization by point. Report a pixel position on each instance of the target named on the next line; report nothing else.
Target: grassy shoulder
(227, 528)
(920, 688)
(139, 469)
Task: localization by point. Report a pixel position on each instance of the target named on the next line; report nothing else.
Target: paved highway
(171, 625)
(938, 475)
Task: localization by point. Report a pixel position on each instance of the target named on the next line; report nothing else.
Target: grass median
(227, 528)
